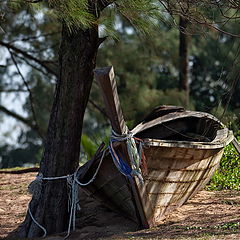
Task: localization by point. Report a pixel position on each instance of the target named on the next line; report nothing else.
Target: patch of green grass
(229, 226)
(12, 169)
(15, 169)
(231, 202)
(228, 175)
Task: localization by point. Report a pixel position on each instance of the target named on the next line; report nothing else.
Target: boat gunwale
(173, 116)
(148, 142)
(214, 144)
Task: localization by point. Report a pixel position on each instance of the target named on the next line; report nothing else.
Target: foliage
(146, 66)
(20, 156)
(145, 69)
(84, 14)
(215, 61)
(27, 153)
(31, 41)
(229, 226)
(89, 147)
(228, 117)
(91, 139)
(228, 175)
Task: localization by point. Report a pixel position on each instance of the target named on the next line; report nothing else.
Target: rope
(34, 220)
(75, 202)
(133, 154)
(35, 189)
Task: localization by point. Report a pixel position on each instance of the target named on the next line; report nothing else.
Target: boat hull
(175, 175)
(178, 166)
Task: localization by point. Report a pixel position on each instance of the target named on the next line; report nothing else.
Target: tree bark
(183, 57)
(77, 58)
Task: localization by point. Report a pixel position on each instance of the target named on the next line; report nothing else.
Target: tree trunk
(183, 56)
(77, 58)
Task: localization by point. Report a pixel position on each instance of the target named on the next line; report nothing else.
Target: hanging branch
(26, 121)
(29, 92)
(32, 65)
(191, 11)
(25, 54)
(101, 110)
(34, 37)
(12, 90)
(232, 90)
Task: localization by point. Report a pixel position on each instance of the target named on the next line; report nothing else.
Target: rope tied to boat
(35, 188)
(135, 154)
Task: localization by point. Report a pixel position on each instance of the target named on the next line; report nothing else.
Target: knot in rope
(133, 153)
(35, 187)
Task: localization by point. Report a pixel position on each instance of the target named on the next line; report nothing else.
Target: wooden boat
(182, 150)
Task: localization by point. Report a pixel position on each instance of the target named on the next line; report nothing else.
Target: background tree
(184, 70)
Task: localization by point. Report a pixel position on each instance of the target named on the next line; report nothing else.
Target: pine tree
(77, 58)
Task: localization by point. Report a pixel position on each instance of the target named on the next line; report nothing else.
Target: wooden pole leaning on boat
(105, 78)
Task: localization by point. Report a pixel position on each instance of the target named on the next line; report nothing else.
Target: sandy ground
(208, 216)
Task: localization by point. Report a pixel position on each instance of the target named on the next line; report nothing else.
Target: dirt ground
(208, 216)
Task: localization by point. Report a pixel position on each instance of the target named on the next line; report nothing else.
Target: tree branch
(194, 15)
(30, 94)
(104, 3)
(25, 54)
(25, 39)
(12, 90)
(102, 111)
(20, 118)
(32, 65)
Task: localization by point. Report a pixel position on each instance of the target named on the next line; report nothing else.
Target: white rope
(73, 182)
(34, 220)
(74, 191)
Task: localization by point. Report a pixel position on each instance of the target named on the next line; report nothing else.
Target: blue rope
(121, 165)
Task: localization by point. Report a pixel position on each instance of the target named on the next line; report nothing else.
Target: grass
(19, 169)
(12, 169)
(228, 175)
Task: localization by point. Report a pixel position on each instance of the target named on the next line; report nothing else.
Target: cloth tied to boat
(134, 153)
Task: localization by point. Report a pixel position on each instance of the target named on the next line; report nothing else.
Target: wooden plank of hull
(204, 118)
(174, 175)
(236, 145)
(172, 180)
(178, 158)
(110, 187)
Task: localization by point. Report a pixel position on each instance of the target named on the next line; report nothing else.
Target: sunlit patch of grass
(12, 169)
(15, 169)
(231, 202)
(229, 226)
(228, 175)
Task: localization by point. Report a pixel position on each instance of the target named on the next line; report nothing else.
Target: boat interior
(197, 129)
